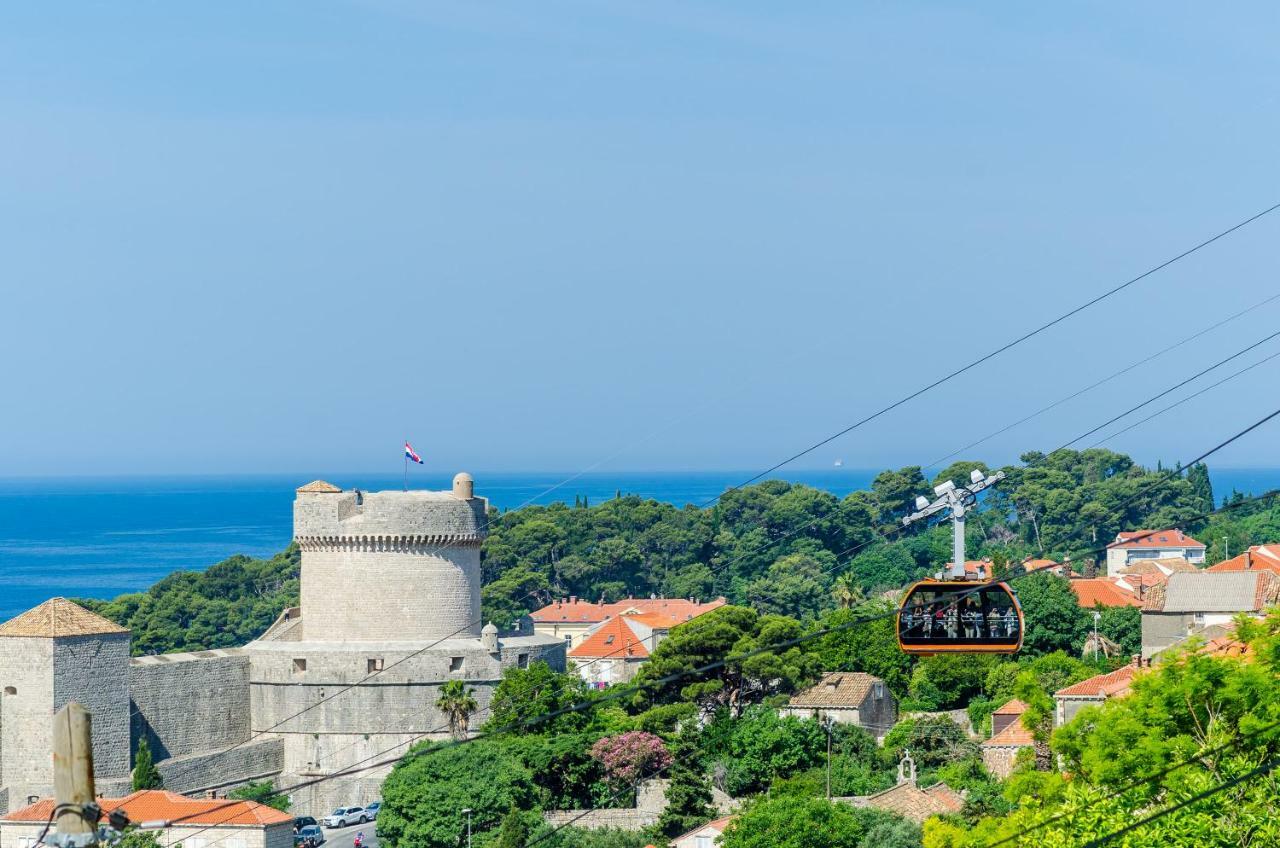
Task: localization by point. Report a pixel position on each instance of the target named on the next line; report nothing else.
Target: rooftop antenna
(957, 500)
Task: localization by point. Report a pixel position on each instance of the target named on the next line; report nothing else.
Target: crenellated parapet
(425, 544)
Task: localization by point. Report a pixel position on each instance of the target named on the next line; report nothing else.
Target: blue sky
(257, 237)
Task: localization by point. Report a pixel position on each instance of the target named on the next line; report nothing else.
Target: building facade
(848, 697)
(333, 685)
(572, 619)
(1139, 545)
(1187, 603)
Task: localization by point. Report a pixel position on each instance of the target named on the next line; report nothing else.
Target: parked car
(344, 816)
(299, 822)
(308, 836)
(373, 808)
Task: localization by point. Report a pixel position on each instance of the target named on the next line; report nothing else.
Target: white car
(344, 816)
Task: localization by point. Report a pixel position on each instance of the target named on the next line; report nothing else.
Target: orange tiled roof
(159, 805)
(1038, 564)
(590, 612)
(612, 639)
(656, 620)
(1013, 736)
(909, 800)
(836, 689)
(1014, 707)
(716, 824)
(1155, 539)
(1258, 557)
(1102, 685)
(1101, 591)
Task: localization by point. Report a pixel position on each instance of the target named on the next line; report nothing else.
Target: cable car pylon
(950, 613)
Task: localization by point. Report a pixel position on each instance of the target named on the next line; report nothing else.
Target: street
(343, 837)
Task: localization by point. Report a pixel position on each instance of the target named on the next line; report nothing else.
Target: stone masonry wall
(26, 711)
(94, 671)
(256, 760)
(626, 819)
(192, 702)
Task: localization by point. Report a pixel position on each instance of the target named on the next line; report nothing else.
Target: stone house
(204, 823)
(613, 650)
(1097, 689)
(572, 619)
(705, 836)
(847, 697)
(1256, 557)
(1008, 739)
(910, 801)
(1138, 545)
(1189, 602)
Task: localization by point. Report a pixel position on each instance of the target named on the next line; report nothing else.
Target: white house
(705, 836)
(1137, 545)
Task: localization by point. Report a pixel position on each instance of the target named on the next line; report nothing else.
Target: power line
(1008, 345)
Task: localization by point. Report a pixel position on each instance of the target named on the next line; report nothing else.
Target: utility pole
(828, 723)
(73, 790)
(958, 502)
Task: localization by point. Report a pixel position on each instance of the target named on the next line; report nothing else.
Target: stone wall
(625, 819)
(94, 670)
(190, 702)
(26, 707)
(256, 760)
(1162, 629)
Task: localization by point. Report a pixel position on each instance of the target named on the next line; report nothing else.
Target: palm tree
(846, 591)
(458, 703)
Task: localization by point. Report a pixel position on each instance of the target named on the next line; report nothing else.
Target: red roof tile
(158, 805)
(575, 609)
(1259, 558)
(1014, 707)
(1102, 685)
(715, 824)
(1015, 735)
(611, 639)
(1099, 590)
(1155, 539)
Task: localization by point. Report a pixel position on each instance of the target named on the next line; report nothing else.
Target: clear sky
(242, 237)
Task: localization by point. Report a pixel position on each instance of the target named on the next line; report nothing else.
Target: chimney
(1248, 557)
(573, 599)
(1091, 568)
(211, 794)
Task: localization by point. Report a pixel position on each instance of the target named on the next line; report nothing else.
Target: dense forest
(778, 547)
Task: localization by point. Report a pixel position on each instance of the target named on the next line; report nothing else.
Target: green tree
(525, 695)
(1201, 487)
(790, 821)
(871, 647)
(795, 586)
(1054, 620)
(426, 790)
(262, 791)
(134, 838)
(457, 702)
(514, 832)
(145, 773)
(762, 746)
(689, 792)
(949, 681)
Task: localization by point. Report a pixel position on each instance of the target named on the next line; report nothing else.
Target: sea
(102, 536)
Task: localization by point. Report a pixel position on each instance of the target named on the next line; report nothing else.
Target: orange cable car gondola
(959, 616)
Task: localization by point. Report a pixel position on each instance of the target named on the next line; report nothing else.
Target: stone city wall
(256, 760)
(626, 819)
(93, 670)
(190, 702)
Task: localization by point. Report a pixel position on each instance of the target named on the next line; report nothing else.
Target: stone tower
(390, 612)
(419, 552)
(49, 655)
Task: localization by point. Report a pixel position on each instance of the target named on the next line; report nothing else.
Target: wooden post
(73, 769)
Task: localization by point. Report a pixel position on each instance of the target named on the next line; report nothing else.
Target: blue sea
(99, 537)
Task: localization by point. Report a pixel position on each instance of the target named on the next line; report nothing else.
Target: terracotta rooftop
(320, 486)
(1039, 564)
(1101, 685)
(910, 801)
(59, 617)
(1013, 736)
(716, 824)
(1222, 591)
(1099, 591)
(836, 689)
(1150, 539)
(158, 805)
(577, 609)
(980, 568)
(1257, 558)
(1014, 707)
(613, 638)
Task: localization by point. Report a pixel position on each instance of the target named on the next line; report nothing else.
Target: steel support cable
(1266, 767)
(621, 692)
(1113, 375)
(991, 355)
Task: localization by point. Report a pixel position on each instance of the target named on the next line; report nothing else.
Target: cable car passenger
(952, 619)
(1010, 623)
(994, 623)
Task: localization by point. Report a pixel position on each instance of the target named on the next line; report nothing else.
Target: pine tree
(688, 793)
(514, 832)
(1201, 486)
(145, 773)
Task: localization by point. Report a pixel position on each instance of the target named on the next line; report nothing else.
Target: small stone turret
(464, 488)
(489, 638)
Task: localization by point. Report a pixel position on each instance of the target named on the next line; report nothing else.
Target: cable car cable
(992, 354)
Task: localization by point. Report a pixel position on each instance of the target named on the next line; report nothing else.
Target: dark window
(375, 664)
(299, 665)
(522, 660)
(455, 663)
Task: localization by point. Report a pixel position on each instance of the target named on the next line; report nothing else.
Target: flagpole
(406, 465)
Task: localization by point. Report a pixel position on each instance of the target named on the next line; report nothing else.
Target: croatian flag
(409, 454)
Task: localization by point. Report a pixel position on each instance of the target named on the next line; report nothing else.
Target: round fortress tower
(389, 566)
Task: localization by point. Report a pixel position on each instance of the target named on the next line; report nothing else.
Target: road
(343, 837)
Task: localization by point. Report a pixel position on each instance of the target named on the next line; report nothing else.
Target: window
(455, 663)
(1197, 619)
(702, 842)
(522, 660)
(299, 665)
(11, 690)
(608, 640)
(375, 664)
